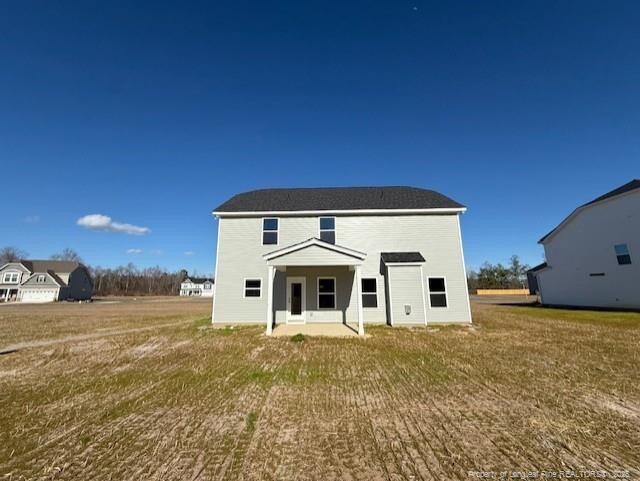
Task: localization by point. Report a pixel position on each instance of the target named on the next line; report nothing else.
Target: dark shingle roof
(337, 198)
(395, 257)
(537, 268)
(623, 189)
(59, 267)
(199, 280)
(628, 187)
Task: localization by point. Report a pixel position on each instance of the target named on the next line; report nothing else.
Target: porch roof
(314, 252)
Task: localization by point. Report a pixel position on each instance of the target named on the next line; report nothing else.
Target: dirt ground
(143, 390)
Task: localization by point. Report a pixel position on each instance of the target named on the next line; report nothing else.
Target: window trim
(335, 294)
(362, 293)
(262, 231)
(445, 292)
(627, 254)
(6, 280)
(334, 230)
(244, 288)
(41, 276)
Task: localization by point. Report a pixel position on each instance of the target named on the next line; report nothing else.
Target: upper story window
(437, 292)
(622, 253)
(207, 286)
(10, 277)
(270, 231)
(41, 278)
(327, 228)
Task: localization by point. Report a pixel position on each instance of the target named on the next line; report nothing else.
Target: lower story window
(369, 292)
(326, 293)
(437, 292)
(252, 287)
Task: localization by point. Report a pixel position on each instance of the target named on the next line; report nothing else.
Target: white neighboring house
(197, 286)
(593, 256)
(379, 255)
(44, 281)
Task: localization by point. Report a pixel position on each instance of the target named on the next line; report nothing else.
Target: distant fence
(502, 292)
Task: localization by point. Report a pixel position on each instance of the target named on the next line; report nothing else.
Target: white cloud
(32, 219)
(188, 253)
(105, 223)
(134, 251)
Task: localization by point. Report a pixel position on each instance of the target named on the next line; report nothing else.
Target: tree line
(126, 280)
(499, 276)
(130, 280)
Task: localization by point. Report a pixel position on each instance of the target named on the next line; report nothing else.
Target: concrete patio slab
(328, 330)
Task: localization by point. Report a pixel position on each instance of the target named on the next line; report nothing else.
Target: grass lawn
(146, 394)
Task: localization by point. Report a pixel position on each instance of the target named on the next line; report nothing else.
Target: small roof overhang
(538, 268)
(401, 258)
(314, 252)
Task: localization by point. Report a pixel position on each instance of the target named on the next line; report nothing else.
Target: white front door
(296, 300)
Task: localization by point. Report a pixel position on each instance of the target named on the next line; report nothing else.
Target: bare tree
(11, 254)
(67, 254)
(130, 281)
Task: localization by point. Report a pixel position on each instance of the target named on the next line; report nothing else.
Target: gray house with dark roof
(353, 255)
(44, 281)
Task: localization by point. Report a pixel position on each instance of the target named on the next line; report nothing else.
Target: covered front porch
(315, 283)
(8, 294)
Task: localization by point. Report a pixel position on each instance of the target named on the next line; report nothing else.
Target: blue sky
(152, 114)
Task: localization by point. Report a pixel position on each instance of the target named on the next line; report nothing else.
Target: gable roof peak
(623, 189)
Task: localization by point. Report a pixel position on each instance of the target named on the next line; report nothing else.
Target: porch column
(272, 271)
(359, 293)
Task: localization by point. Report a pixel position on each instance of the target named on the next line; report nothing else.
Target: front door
(296, 300)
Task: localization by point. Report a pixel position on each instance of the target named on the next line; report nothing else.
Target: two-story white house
(379, 255)
(197, 287)
(593, 255)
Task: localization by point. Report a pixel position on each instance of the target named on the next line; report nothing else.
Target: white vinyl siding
(406, 290)
(436, 236)
(586, 245)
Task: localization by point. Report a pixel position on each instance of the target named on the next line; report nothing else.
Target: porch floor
(336, 329)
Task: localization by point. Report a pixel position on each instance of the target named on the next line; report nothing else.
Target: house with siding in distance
(197, 287)
(361, 255)
(44, 281)
(593, 255)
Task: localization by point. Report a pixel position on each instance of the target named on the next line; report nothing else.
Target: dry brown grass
(524, 389)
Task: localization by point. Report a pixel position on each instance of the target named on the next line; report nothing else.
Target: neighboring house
(593, 256)
(379, 255)
(44, 281)
(197, 286)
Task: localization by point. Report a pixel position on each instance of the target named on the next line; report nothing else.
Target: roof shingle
(400, 257)
(336, 199)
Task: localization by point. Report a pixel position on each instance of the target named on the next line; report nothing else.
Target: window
(326, 292)
(437, 292)
(327, 228)
(369, 292)
(269, 231)
(622, 253)
(253, 288)
(10, 277)
(40, 279)
(207, 286)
